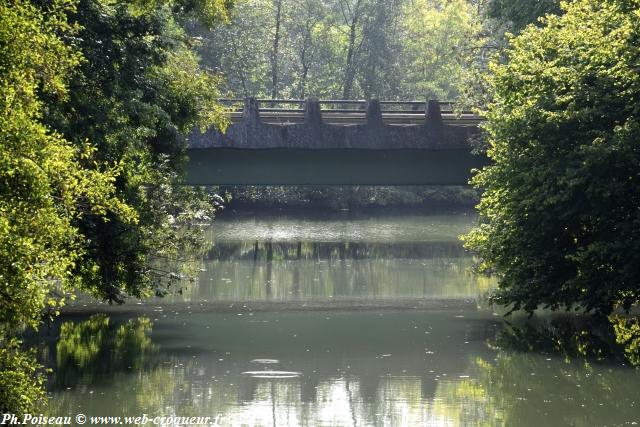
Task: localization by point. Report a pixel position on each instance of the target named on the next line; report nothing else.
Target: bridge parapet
(315, 128)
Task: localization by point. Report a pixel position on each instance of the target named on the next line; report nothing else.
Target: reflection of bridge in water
(361, 143)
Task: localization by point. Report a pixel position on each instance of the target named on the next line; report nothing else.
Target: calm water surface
(339, 321)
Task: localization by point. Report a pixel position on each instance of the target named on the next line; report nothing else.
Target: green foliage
(90, 171)
(562, 199)
(627, 332)
(21, 380)
(366, 48)
(137, 91)
(517, 14)
(441, 38)
(46, 183)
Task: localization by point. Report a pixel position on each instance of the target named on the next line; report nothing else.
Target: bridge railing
(340, 105)
(347, 112)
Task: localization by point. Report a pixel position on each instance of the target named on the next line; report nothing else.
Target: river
(337, 320)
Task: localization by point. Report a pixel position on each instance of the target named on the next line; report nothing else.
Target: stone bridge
(369, 143)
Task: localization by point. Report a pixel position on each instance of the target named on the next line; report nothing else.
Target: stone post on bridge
(251, 111)
(374, 114)
(312, 113)
(375, 129)
(433, 115)
(434, 126)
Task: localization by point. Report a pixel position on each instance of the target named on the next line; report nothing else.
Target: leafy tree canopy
(441, 39)
(391, 49)
(47, 183)
(562, 199)
(95, 97)
(138, 90)
(517, 14)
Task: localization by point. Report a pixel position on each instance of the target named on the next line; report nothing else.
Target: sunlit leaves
(440, 38)
(46, 183)
(138, 91)
(21, 380)
(562, 199)
(191, 89)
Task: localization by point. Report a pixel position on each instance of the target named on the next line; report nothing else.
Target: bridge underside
(291, 166)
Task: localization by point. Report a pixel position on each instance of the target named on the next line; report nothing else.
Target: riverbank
(351, 198)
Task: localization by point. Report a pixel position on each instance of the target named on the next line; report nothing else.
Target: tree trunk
(350, 69)
(275, 52)
(243, 79)
(303, 61)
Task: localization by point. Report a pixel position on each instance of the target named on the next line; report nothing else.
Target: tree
(90, 170)
(306, 18)
(347, 48)
(138, 89)
(275, 53)
(240, 49)
(561, 206)
(351, 11)
(441, 39)
(517, 14)
(47, 185)
(381, 49)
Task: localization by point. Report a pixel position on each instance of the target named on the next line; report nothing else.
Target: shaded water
(243, 344)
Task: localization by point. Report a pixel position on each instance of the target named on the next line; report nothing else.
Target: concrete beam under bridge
(331, 167)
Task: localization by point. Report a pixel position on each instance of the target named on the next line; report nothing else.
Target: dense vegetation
(346, 49)
(562, 200)
(352, 49)
(138, 89)
(353, 198)
(95, 96)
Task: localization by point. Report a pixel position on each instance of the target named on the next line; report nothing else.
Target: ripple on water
(265, 361)
(272, 374)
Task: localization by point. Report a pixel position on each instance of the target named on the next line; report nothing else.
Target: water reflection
(332, 262)
(589, 339)
(93, 350)
(428, 227)
(318, 271)
(563, 370)
(455, 366)
(392, 368)
(343, 258)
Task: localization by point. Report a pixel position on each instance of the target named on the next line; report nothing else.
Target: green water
(341, 258)
(266, 337)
